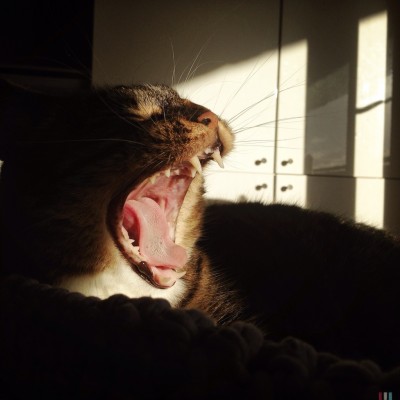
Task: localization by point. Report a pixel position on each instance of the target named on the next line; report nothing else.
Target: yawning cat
(102, 192)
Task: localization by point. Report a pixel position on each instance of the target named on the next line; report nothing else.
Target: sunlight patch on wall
(370, 119)
(370, 201)
(371, 96)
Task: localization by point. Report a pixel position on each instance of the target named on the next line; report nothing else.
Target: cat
(101, 192)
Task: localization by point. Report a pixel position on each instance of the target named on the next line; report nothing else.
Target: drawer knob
(261, 161)
(286, 162)
(285, 188)
(263, 186)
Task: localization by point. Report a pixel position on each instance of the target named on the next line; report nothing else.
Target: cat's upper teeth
(216, 156)
(153, 178)
(196, 164)
(193, 172)
(194, 167)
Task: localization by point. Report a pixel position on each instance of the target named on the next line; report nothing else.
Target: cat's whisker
(250, 107)
(79, 141)
(258, 102)
(218, 96)
(251, 119)
(267, 143)
(281, 123)
(282, 84)
(173, 63)
(195, 69)
(189, 74)
(250, 75)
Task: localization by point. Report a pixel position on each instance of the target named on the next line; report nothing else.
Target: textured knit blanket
(61, 345)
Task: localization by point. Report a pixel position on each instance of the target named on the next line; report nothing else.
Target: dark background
(47, 38)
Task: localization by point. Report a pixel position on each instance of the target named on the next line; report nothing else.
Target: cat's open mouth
(147, 222)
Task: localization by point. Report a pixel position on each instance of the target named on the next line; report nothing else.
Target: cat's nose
(209, 119)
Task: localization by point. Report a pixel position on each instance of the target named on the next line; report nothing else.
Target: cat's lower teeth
(124, 233)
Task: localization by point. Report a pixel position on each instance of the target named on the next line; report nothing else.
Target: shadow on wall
(141, 41)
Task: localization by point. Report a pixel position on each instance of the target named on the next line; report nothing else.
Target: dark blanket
(330, 325)
(61, 345)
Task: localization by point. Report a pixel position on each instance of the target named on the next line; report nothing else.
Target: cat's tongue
(155, 243)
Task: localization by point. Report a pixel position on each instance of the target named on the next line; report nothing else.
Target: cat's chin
(144, 224)
(120, 279)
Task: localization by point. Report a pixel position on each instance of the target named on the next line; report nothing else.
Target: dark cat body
(309, 274)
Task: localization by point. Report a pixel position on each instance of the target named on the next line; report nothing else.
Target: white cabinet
(346, 147)
(305, 85)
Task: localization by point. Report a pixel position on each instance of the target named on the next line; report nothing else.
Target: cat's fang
(167, 173)
(153, 178)
(216, 156)
(196, 164)
(180, 274)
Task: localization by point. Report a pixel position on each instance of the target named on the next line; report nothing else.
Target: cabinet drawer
(291, 189)
(254, 155)
(239, 186)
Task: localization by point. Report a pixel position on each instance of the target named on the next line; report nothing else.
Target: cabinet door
(236, 186)
(335, 89)
(291, 106)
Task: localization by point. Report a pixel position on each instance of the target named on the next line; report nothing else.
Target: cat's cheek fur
(120, 278)
(188, 224)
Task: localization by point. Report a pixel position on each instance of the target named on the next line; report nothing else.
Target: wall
(322, 70)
